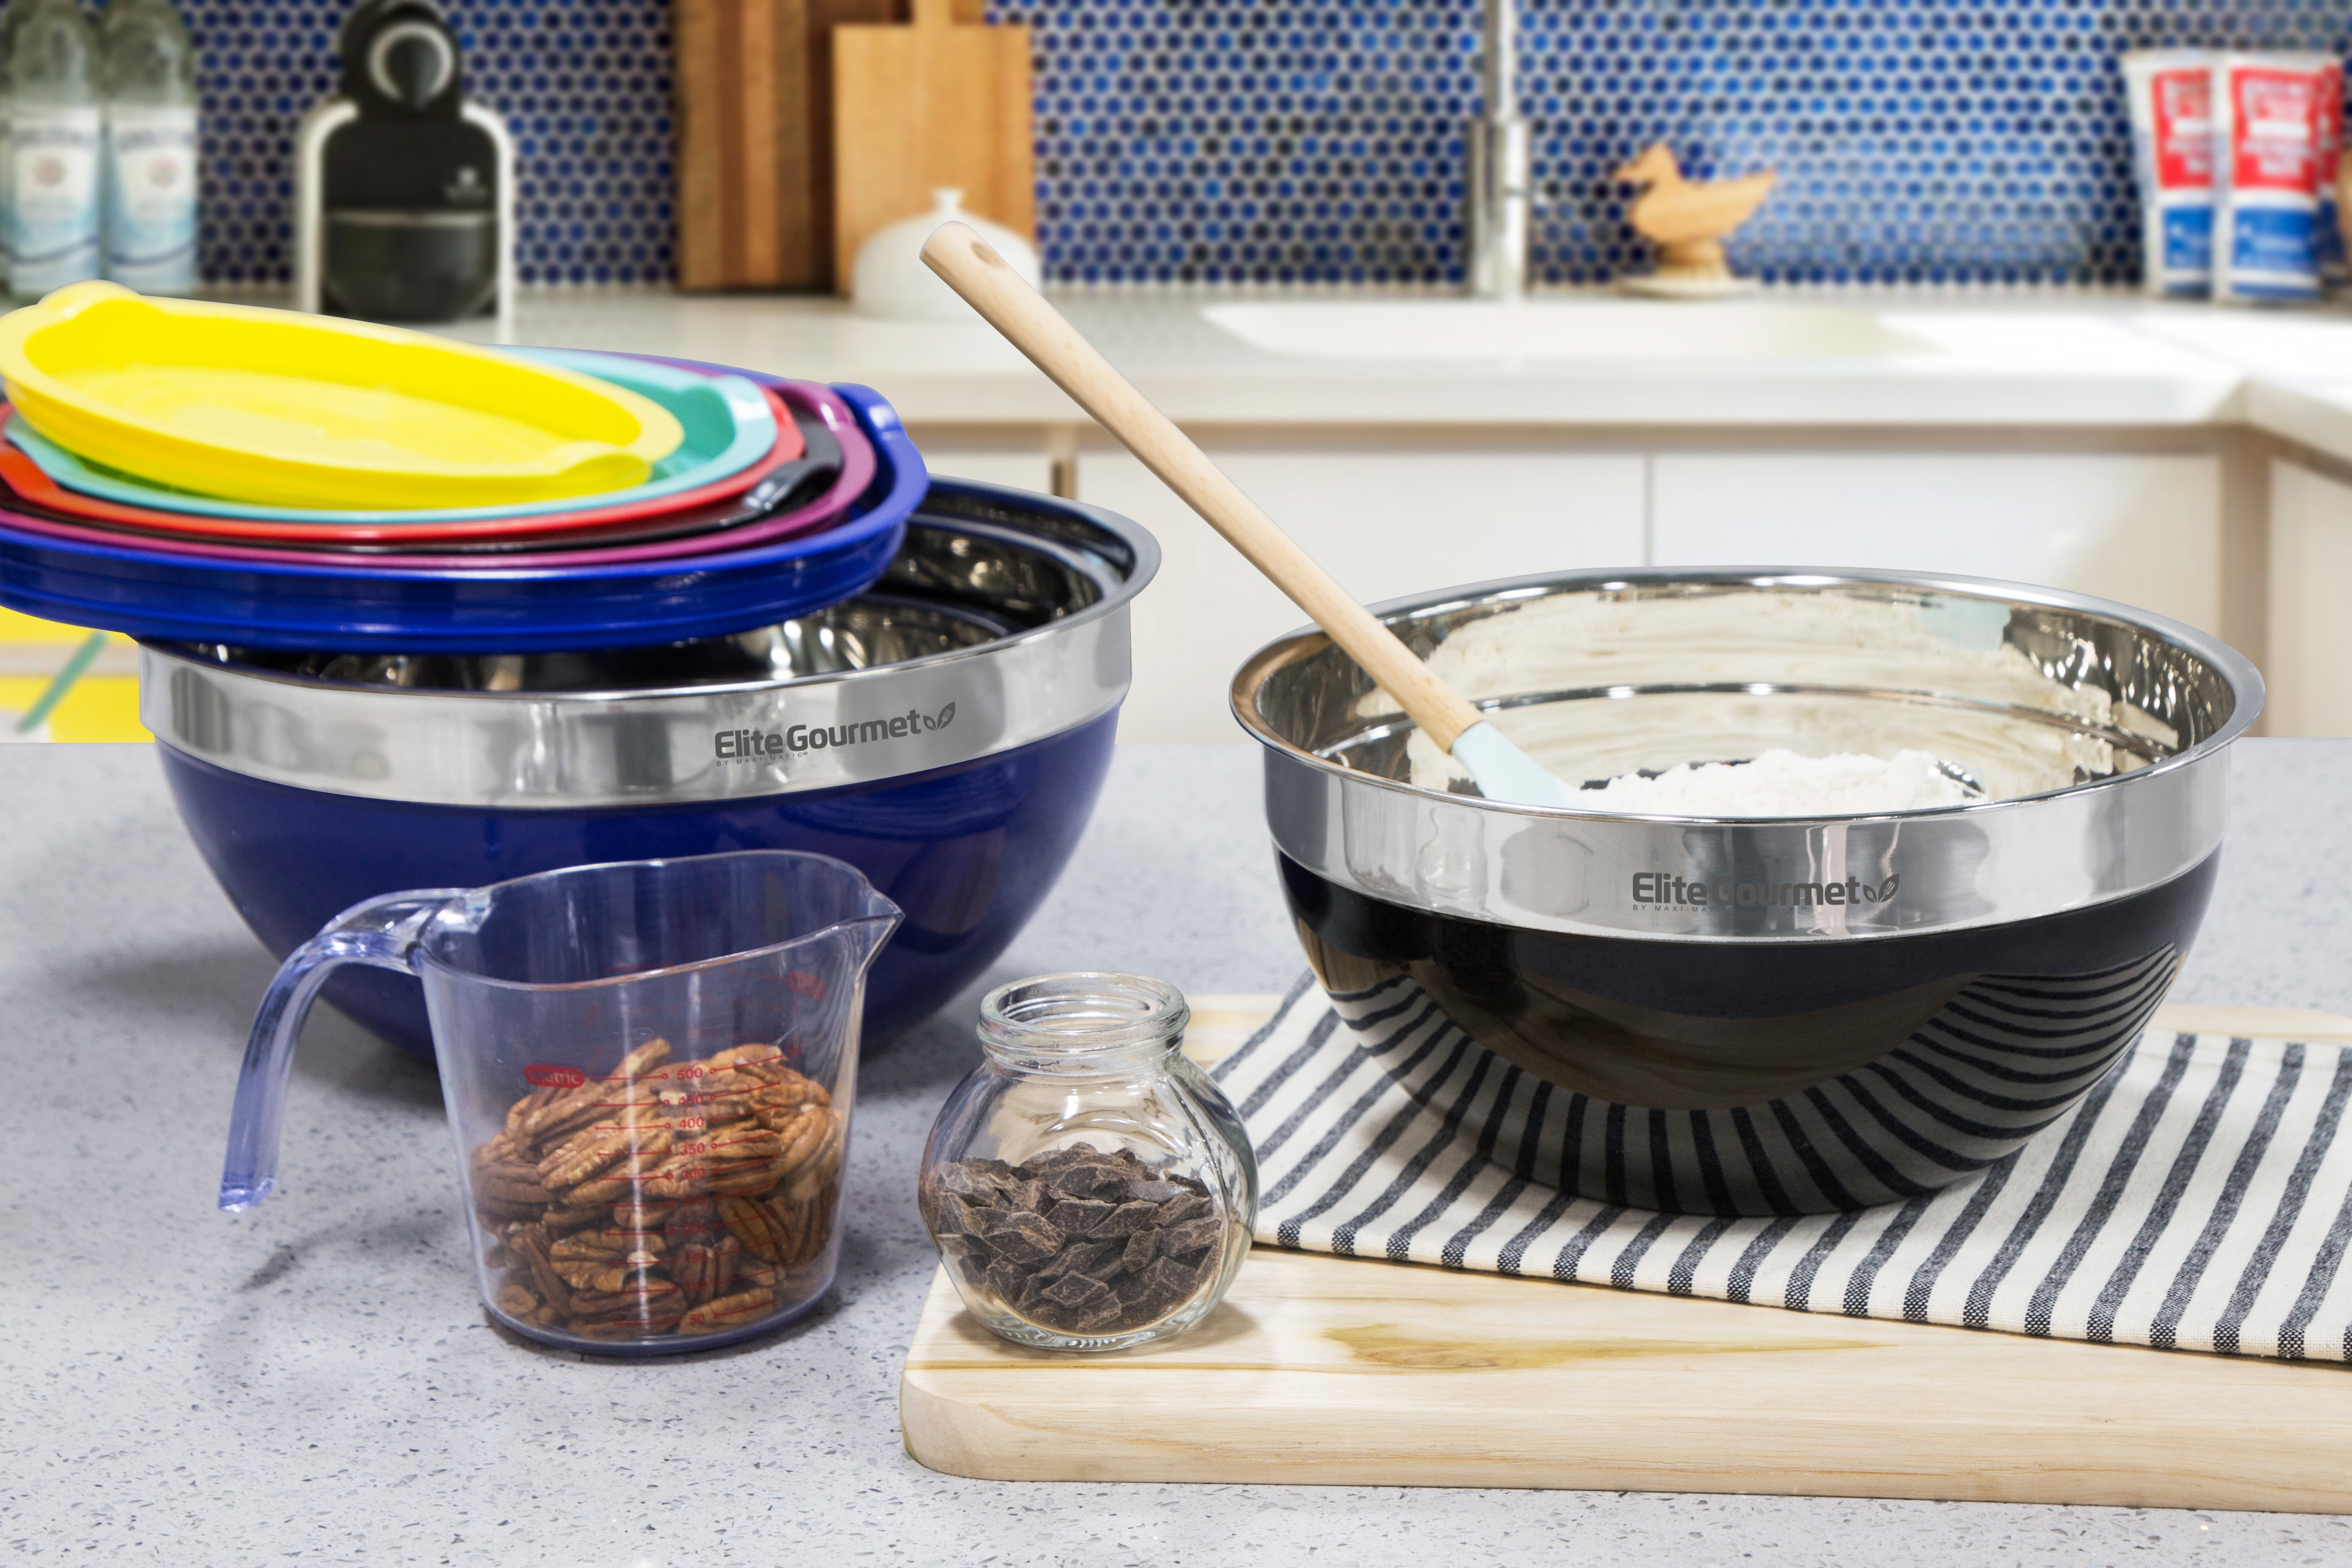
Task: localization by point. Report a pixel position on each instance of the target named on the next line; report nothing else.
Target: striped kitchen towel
(2197, 1198)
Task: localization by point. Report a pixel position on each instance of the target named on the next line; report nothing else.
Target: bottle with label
(151, 147)
(9, 18)
(55, 133)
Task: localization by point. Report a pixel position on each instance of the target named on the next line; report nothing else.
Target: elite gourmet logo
(1654, 888)
(757, 745)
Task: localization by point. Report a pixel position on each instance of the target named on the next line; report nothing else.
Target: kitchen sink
(1596, 332)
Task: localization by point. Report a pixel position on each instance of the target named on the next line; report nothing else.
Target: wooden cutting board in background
(942, 101)
(1353, 1371)
(754, 108)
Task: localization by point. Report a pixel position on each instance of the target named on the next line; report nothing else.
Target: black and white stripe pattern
(2199, 1197)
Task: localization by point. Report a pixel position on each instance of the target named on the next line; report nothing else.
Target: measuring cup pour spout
(382, 931)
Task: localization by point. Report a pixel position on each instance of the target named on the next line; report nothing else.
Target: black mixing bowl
(1765, 1016)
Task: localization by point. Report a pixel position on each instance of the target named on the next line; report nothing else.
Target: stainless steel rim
(680, 743)
(1906, 873)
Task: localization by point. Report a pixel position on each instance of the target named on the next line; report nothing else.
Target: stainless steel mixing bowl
(1765, 1016)
(945, 734)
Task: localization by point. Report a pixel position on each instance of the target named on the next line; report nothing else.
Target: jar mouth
(1082, 1014)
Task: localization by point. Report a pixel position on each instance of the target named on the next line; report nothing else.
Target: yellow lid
(289, 409)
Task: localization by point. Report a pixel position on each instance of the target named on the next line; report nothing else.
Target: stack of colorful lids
(223, 473)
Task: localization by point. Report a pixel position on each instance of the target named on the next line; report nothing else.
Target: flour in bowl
(1780, 783)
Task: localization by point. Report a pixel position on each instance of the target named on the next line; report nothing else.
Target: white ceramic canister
(891, 281)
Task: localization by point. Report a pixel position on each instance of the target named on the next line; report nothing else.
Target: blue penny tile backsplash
(1321, 141)
(585, 85)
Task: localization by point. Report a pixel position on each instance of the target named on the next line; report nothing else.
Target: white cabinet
(1386, 519)
(1016, 458)
(2308, 668)
(2144, 528)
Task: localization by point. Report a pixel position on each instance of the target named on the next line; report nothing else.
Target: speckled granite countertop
(315, 1383)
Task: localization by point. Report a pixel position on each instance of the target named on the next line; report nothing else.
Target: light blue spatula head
(1504, 773)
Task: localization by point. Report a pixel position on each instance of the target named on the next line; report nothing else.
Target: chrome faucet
(1501, 202)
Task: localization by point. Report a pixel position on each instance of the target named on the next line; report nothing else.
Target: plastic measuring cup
(648, 1069)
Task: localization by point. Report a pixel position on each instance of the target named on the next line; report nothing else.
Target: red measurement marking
(543, 1074)
(689, 1123)
(801, 982)
(692, 1149)
(692, 1072)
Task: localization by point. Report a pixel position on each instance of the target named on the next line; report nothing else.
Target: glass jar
(1088, 1187)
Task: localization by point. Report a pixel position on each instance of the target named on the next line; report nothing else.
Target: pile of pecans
(1076, 1240)
(665, 1197)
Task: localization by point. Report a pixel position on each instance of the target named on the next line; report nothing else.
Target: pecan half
(762, 1061)
(777, 1100)
(753, 1225)
(728, 1312)
(512, 1181)
(530, 1245)
(515, 1301)
(694, 1220)
(757, 1177)
(646, 1307)
(612, 1242)
(696, 1268)
(604, 1276)
(635, 1131)
(575, 1216)
(805, 1225)
(495, 1213)
(705, 1269)
(628, 1182)
(678, 1176)
(731, 1146)
(640, 1216)
(576, 1108)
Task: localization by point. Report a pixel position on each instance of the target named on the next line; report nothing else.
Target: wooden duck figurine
(1687, 221)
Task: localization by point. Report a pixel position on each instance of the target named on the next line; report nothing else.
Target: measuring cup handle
(382, 931)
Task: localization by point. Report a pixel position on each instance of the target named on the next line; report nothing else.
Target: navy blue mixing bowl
(945, 734)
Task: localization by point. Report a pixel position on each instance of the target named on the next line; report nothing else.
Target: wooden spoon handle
(974, 270)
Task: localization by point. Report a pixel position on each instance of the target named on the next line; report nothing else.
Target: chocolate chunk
(969, 1251)
(1086, 1180)
(1006, 1281)
(1150, 1190)
(1191, 1236)
(953, 1216)
(1172, 1281)
(1103, 1314)
(1096, 1259)
(1075, 1290)
(1023, 1237)
(1126, 1219)
(1076, 1216)
(972, 1179)
(1141, 1248)
(1189, 1206)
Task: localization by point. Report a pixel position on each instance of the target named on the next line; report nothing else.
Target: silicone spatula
(1501, 771)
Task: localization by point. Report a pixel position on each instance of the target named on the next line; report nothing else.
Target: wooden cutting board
(754, 105)
(938, 102)
(1358, 1373)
